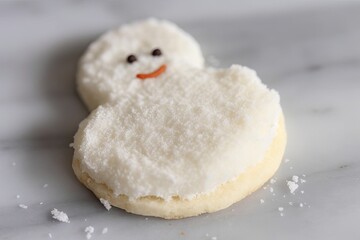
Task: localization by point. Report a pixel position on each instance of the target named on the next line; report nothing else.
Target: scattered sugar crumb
(281, 214)
(264, 188)
(301, 205)
(23, 206)
(302, 192)
(213, 238)
(146, 218)
(89, 231)
(60, 216)
(303, 175)
(50, 235)
(45, 185)
(291, 203)
(41, 203)
(295, 178)
(105, 230)
(105, 203)
(272, 181)
(262, 201)
(271, 190)
(281, 209)
(18, 196)
(287, 160)
(284, 196)
(292, 186)
(302, 180)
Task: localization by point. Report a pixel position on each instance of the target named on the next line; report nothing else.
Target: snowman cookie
(167, 136)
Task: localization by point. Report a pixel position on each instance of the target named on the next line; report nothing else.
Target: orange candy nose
(153, 74)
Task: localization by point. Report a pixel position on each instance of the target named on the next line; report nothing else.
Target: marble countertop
(307, 50)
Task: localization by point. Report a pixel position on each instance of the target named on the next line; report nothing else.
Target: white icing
(182, 133)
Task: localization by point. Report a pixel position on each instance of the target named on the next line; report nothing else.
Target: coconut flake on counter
(23, 206)
(295, 178)
(60, 216)
(292, 186)
(89, 230)
(105, 203)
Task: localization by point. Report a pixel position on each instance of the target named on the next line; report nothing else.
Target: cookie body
(224, 196)
(167, 136)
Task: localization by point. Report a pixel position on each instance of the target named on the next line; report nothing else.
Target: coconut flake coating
(183, 133)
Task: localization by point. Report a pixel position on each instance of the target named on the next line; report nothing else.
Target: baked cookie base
(224, 196)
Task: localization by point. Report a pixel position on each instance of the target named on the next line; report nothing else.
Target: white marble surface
(308, 50)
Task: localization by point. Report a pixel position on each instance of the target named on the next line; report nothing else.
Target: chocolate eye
(131, 58)
(156, 52)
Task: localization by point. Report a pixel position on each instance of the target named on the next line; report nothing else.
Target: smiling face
(118, 62)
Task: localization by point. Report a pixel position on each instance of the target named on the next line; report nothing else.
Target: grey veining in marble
(308, 50)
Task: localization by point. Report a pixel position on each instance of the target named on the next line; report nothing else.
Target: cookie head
(123, 60)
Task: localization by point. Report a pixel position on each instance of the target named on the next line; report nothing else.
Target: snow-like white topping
(105, 76)
(105, 203)
(60, 216)
(182, 133)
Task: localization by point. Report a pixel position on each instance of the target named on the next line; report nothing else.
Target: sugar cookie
(168, 137)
